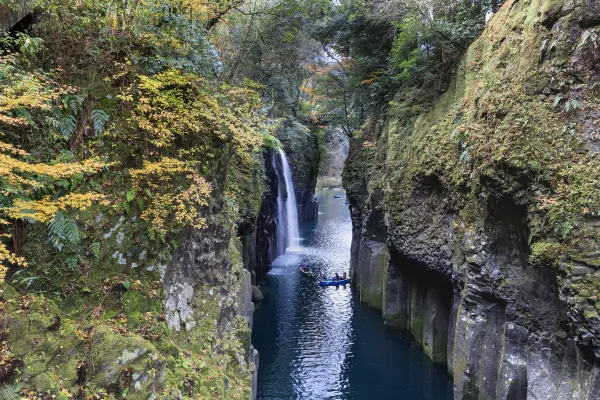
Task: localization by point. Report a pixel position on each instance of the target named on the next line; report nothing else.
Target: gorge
(159, 166)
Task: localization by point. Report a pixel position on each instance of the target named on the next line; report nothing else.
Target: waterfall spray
(291, 208)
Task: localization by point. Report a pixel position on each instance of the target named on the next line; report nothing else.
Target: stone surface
(436, 323)
(12, 15)
(396, 308)
(459, 276)
(257, 296)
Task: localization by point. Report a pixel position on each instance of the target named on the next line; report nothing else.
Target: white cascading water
(281, 243)
(293, 232)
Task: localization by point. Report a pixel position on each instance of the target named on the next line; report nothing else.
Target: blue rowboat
(330, 282)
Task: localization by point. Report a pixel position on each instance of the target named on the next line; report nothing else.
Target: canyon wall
(475, 223)
(11, 15)
(259, 238)
(177, 327)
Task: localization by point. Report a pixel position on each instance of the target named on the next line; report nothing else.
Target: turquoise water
(322, 343)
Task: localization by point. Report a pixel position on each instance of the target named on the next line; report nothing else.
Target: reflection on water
(321, 343)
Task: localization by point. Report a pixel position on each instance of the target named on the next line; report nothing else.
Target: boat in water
(305, 270)
(338, 196)
(331, 282)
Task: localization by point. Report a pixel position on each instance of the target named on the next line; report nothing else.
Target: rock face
(473, 229)
(11, 15)
(259, 239)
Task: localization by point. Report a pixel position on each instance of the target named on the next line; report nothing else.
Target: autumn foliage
(147, 133)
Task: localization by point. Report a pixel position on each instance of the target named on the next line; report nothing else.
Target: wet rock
(257, 295)
(580, 270)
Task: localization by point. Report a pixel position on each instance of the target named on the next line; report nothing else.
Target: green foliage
(270, 43)
(63, 230)
(66, 123)
(545, 254)
(400, 45)
(99, 118)
(78, 93)
(136, 85)
(492, 134)
(173, 40)
(430, 41)
(271, 142)
(329, 182)
(10, 392)
(352, 31)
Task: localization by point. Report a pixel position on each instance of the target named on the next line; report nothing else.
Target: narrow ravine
(322, 343)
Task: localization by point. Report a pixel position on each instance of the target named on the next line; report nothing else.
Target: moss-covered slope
(494, 189)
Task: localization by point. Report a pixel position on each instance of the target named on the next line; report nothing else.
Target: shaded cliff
(475, 220)
(175, 327)
(259, 238)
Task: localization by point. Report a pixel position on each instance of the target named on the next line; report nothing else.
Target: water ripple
(320, 343)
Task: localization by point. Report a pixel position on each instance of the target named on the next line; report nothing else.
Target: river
(320, 343)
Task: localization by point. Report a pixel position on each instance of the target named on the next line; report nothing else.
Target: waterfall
(281, 243)
(291, 208)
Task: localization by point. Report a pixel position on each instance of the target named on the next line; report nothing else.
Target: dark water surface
(322, 343)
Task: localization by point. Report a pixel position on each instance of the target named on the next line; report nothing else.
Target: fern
(465, 156)
(99, 119)
(95, 249)
(572, 105)
(72, 262)
(56, 228)
(71, 232)
(66, 124)
(63, 230)
(559, 97)
(24, 113)
(74, 102)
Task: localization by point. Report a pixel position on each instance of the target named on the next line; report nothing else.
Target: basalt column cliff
(476, 219)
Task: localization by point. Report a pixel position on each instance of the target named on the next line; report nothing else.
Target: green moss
(197, 362)
(591, 260)
(591, 313)
(498, 131)
(417, 326)
(136, 304)
(359, 165)
(44, 383)
(550, 10)
(372, 297)
(545, 253)
(10, 392)
(271, 142)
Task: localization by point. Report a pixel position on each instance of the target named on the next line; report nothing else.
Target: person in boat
(337, 277)
(344, 275)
